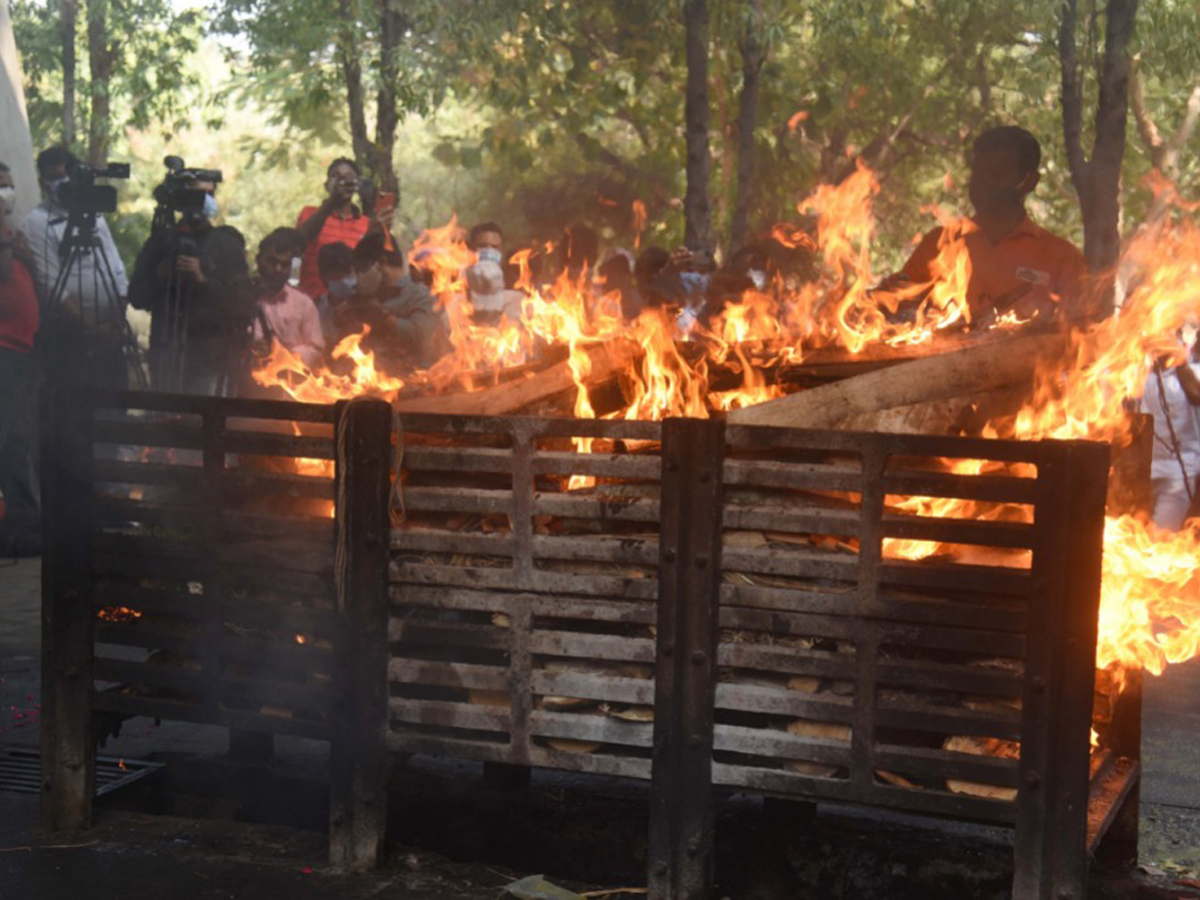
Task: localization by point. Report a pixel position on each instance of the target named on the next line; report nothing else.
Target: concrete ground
(133, 855)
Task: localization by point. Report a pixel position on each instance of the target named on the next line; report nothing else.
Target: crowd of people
(339, 270)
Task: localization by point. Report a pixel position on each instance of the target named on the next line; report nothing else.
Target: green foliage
(538, 113)
(155, 42)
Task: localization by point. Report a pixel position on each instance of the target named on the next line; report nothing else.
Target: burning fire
(1149, 603)
(1150, 614)
(285, 370)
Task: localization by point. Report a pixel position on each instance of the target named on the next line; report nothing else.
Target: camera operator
(193, 278)
(86, 326)
(338, 219)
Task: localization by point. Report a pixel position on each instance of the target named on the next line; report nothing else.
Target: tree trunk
(101, 59)
(352, 75)
(68, 14)
(1098, 180)
(697, 210)
(753, 57)
(391, 31)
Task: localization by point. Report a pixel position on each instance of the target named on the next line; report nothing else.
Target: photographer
(85, 328)
(338, 219)
(175, 271)
(193, 278)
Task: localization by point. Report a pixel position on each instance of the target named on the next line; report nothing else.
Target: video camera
(178, 192)
(82, 196)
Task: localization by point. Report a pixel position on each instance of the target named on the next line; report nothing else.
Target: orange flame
(1150, 615)
(286, 370)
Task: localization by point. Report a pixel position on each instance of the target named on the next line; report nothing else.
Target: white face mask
(8, 196)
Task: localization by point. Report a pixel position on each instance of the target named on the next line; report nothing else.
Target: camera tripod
(79, 241)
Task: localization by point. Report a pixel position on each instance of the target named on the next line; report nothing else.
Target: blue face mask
(343, 287)
(210, 206)
(489, 254)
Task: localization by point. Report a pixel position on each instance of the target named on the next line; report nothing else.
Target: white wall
(16, 147)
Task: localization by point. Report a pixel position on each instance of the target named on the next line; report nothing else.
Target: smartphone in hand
(385, 205)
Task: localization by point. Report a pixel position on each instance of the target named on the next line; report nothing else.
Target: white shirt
(87, 282)
(1183, 420)
(294, 321)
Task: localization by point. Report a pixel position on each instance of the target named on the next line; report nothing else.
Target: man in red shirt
(21, 525)
(336, 219)
(1016, 265)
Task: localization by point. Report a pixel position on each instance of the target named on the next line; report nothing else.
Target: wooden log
(954, 415)
(978, 369)
(68, 617)
(605, 360)
(358, 758)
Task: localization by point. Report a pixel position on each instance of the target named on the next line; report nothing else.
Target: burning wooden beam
(603, 361)
(975, 370)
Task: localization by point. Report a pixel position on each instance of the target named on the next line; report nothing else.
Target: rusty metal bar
(68, 748)
(358, 758)
(680, 853)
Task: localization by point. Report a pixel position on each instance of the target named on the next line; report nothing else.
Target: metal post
(358, 727)
(68, 748)
(681, 806)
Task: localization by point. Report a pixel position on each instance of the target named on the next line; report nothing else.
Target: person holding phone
(339, 218)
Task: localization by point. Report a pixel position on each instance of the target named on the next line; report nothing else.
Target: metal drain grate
(21, 771)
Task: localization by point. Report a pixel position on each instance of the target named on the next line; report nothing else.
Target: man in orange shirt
(1016, 265)
(337, 219)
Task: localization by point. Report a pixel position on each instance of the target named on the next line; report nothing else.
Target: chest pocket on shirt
(1033, 276)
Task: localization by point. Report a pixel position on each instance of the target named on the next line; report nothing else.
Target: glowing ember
(118, 614)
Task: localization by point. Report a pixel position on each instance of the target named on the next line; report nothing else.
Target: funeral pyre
(1083, 384)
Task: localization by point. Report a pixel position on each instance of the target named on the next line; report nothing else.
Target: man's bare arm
(1190, 383)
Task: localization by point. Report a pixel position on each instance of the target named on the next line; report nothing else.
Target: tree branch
(1112, 110)
(1072, 97)
(352, 75)
(1183, 133)
(698, 231)
(754, 55)
(1147, 130)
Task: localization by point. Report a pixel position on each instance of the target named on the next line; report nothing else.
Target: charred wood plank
(68, 749)
(359, 761)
